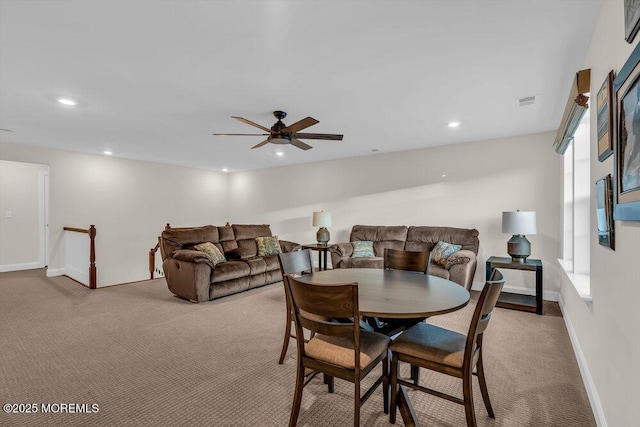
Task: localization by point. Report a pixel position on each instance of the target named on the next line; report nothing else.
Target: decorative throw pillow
(441, 252)
(233, 254)
(362, 249)
(268, 246)
(211, 250)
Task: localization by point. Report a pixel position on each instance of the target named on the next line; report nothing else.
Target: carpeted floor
(147, 358)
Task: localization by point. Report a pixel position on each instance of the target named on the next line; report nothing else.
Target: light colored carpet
(148, 358)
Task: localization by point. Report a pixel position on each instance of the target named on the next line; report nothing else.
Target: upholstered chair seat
(339, 350)
(432, 343)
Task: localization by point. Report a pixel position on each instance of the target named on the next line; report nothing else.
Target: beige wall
(608, 331)
(129, 202)
(21, 234)
(482, 180)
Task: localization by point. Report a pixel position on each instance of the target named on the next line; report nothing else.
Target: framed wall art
(627, 136)
(604, 212)
(604, 103)
(631, 19)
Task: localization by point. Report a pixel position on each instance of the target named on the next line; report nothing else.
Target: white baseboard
(23, 266)
(546, 295)
(53, 272)
(592, 392)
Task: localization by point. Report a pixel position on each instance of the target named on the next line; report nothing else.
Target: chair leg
(287, 334)
(356, 403)
(330, 382)
(394, 388)
(415, 374)
(483, 386)
(385, 384)
(297, 396)
(467, 392)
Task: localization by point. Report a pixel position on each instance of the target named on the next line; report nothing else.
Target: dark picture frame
(604, 212)
(631, 19)
(604, 107)
(627, 136)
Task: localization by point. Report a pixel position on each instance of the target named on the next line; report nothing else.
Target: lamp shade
(519, 222)
(321, 219)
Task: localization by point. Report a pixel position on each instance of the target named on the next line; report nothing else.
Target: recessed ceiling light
(225, 170)
(67, 101)
(279, 153)
(444, 176)
(453, 124)
(107, 152)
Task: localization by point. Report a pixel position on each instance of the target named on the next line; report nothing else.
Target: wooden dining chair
(394, 259)
(451, 353)
(296, 262)
(339, 347)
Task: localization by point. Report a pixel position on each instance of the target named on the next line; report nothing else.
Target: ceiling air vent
(526, 100)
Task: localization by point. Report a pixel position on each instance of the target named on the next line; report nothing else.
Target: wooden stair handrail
(152, 258)
(91, 231)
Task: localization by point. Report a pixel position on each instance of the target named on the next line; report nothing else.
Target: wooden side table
(323, 253)
(532, 303)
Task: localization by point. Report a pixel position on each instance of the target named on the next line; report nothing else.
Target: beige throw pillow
(212, 250)
(268, 245)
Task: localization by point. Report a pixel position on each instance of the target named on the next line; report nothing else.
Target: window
(576, 240)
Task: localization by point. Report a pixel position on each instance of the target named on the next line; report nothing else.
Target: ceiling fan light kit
(283, 134)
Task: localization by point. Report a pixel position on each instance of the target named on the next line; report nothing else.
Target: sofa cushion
(256, 265)
(362, 249)
(268, 245)
(377, 233)
(372, 262)
(441, 252)
(233, 254)
(424, 238)
(271, 262)
(230, 270)
(212, 250)
(250, 231)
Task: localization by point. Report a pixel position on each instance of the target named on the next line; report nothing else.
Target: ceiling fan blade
(249, 122)
(299, 125)
(241, 134)
(265, 142)
(328, 136)
(301, 145)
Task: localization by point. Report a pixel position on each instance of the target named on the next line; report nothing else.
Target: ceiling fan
(283, 134)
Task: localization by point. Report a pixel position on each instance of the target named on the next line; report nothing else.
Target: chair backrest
(407, 260)
(317, 308)
(482, 314)
(296, 262)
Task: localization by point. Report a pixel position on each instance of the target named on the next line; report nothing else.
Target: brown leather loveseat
(460, 267)
(193, 275)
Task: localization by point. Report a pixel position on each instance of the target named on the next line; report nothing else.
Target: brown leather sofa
(192, 275)
(460, 266)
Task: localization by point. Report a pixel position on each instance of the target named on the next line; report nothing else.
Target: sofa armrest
(288, 246)
(187, 255)
(338, 252)
(188, 274)
(459, 257)
(462, 268)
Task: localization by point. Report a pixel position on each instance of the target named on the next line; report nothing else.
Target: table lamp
(519, 223)
(322, 219)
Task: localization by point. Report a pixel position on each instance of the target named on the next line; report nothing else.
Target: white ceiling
(155, 79)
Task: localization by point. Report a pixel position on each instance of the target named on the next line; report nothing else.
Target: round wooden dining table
(396, 293)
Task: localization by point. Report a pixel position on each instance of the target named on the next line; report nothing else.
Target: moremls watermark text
(51, 408)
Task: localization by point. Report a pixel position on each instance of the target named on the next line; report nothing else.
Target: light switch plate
(8, 214)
